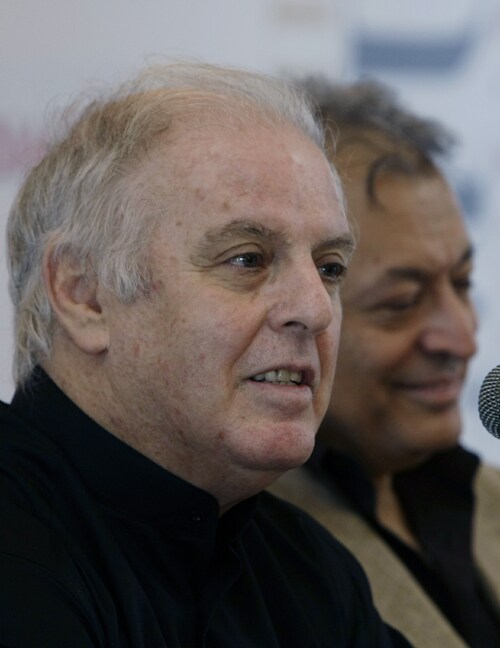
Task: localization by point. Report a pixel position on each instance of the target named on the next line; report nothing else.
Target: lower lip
(441, 394)
(284, 397)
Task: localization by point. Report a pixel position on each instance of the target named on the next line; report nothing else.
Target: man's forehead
(409, 209)
(251, 161)
(278, 179)
(401, 241)
(188, 143)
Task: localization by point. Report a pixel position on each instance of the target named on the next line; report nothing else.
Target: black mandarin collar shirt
(438, 500)
(133, 487)
(122, 478)
(100, 547)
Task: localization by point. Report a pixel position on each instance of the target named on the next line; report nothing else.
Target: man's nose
(451, 327)
(303, 301)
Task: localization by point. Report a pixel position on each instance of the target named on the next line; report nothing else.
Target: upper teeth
(281, 376)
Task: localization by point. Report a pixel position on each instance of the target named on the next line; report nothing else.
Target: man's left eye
(247, 260)
(332, 271)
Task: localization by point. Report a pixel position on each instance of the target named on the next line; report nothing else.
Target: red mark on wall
(20, 148)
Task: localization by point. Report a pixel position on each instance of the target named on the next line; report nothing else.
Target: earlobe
(73, 294)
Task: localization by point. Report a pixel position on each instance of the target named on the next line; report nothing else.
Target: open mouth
(280, 377)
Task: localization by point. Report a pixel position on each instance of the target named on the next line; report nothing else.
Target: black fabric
(438, 501)
(101, 547)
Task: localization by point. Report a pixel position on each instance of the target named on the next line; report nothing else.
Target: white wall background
(444, 57)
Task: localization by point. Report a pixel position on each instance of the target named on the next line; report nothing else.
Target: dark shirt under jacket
(99, 546)
(438, 501)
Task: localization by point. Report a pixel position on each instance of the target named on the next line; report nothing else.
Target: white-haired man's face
(226, 366)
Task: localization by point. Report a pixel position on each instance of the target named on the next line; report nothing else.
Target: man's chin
(277, 463)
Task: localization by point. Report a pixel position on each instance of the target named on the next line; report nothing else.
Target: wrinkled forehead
(276, 177)
(246, 157)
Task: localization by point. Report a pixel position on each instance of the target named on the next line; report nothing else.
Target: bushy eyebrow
(344, 242)
(239, 228)
(242, 228)
(419, 275)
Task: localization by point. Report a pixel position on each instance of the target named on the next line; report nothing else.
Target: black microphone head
(489, 402)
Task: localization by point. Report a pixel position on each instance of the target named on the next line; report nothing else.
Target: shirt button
(195, 515)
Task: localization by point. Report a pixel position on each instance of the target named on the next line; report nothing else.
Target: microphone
(489, 402)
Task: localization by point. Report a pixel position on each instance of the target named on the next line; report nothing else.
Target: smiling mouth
(438, 392)
(280, 377)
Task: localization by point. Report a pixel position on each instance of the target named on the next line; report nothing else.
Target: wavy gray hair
(374, 106)
(84, 200)
(354, 112)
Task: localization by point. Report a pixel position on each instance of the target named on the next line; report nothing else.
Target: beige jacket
(398, 596)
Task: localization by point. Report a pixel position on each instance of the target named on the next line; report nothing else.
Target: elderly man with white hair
(175, 265)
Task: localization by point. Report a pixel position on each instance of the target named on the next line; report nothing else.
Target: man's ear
(74, 298)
